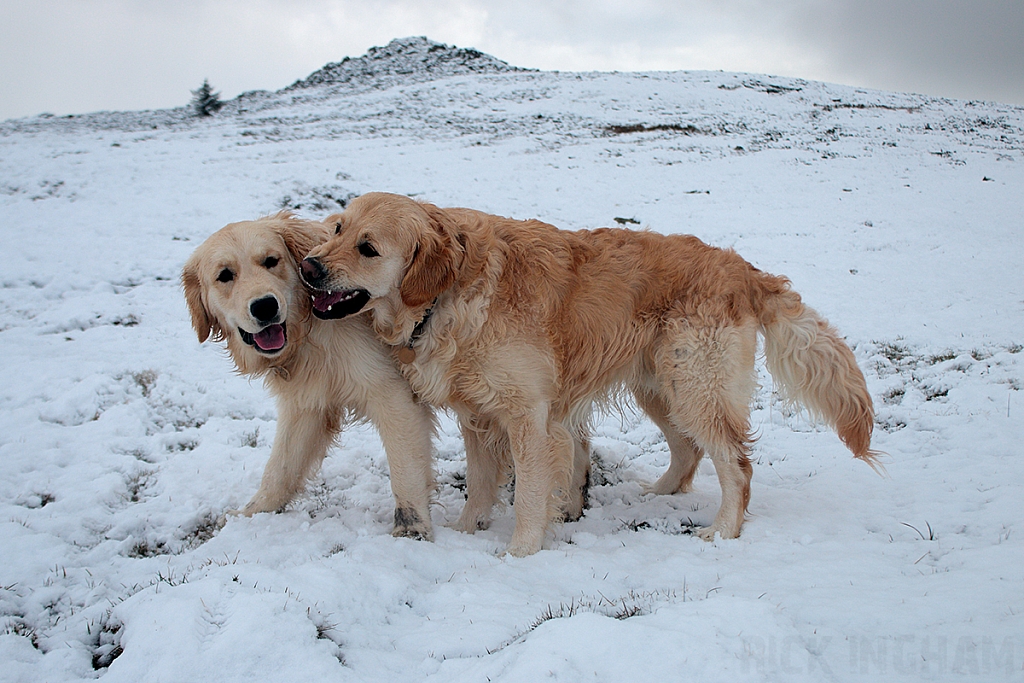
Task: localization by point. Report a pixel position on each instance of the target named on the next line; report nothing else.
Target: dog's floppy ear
(435, 263)
(202, 321)
(300, 236)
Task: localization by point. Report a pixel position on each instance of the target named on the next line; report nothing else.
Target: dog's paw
(409, 524)
(665, 487)
(572, 514)
(414, 534)
(255, 506)
(524, 549)
(574, 508)
(708, 533)
(469, 524)
(525, 542)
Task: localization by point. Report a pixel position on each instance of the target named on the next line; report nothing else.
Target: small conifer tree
(205, 102)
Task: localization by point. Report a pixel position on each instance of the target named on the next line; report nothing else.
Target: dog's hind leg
(685, 456)
(707, 378)
(302, 439)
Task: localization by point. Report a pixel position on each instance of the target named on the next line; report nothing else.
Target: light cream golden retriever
(521, 325)
(242, 285)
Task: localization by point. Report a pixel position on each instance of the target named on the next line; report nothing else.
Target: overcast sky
(77, 56)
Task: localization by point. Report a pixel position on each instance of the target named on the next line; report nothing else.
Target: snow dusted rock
(405, 60)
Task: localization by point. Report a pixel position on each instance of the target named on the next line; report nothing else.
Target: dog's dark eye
(367, 250)
(337, 228)
(225, 276)
(270, 262)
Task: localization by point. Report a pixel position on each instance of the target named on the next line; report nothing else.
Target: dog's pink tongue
(270, 338)
(324, 300)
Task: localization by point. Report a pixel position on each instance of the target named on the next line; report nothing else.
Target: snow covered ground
(123, 441)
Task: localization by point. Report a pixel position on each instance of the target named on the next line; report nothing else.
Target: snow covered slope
(123, 441)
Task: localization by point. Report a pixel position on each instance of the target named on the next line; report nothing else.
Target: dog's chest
(458, 383)
(440, 369)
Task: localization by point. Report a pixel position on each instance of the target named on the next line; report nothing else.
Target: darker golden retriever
(523, 326)
(242, 285)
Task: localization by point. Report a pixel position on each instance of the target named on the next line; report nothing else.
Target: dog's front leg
(542, 454)
(405, 429)
(301, 442)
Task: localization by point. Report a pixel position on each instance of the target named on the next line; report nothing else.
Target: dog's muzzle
(327, 303)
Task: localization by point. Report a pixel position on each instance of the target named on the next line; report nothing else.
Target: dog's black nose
(265, 309)
(313, 271)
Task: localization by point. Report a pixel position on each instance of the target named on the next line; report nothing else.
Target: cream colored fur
(531, 325)
(328, 372)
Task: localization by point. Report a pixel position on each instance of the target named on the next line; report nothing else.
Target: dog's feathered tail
(814, 367)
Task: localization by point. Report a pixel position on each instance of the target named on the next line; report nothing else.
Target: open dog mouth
(271, 339)
(330, 305)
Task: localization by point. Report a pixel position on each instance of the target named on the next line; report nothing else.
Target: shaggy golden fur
(529, 325)
(242, 285)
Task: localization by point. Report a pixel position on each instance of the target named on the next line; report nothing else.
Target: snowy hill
(123, 440)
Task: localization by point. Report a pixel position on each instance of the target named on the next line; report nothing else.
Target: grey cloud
(942, 47)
